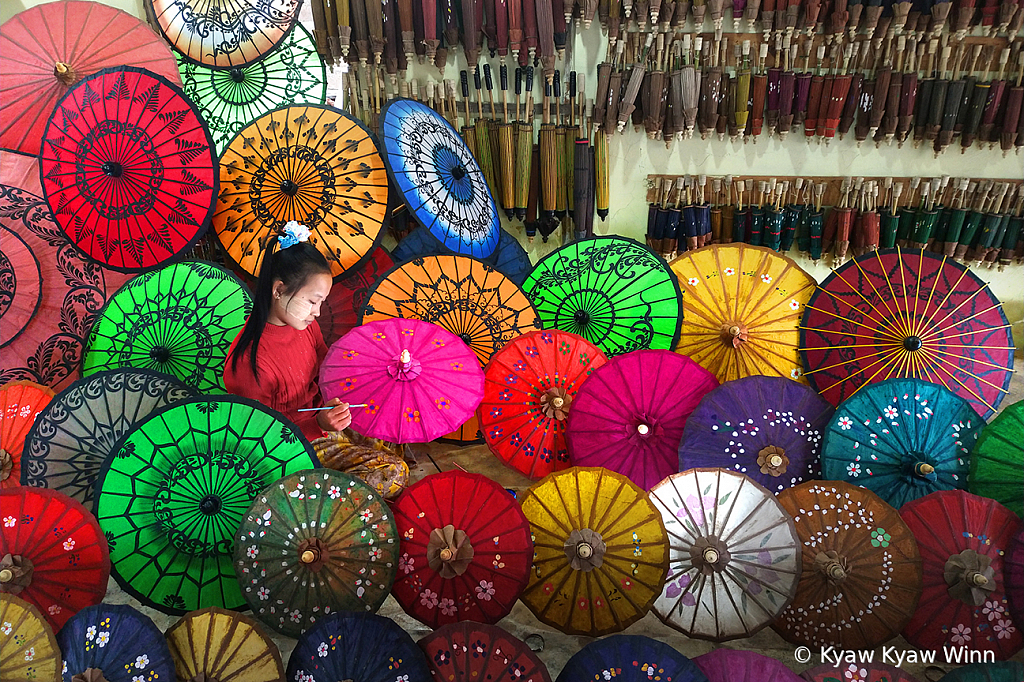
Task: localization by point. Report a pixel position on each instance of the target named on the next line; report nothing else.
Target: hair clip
(293, 233)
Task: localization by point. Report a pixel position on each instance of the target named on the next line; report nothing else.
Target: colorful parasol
(223, 645)
(530, 387)
(1006, 671)
(861, 575)
(339, 312)
(600, 551)
(917, 314)
(467, 652)
(466, 549)
(313, 164)
(734, 555)
(20, 404)
(229, 99)
(48, 48)
(767, 428)
(963, 541)
(29, 649)
(417, 380)
(630, 658)
(741, 308)
(902, 439)
(128, 169)
(115, 642)
(612, 291)
(732, 665)
(179, 320)
(629, 415)
(52, 553)
(997, 459)
(173, 494)
(1013, 563)
(437, 175)
(866, 672)
(509, 257)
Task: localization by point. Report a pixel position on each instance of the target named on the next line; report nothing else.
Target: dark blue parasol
(115, 639)
(629, 658)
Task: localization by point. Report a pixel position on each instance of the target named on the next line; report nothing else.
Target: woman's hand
(337, 419)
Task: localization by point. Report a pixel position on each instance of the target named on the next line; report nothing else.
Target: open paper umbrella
(1005, 671)
(416, 380)
(114, 642)
(52, 553)
(734, 555)
(20, 404)
(179, 320)
(314, 543)
(313, 164)
(768, 428)
(612, 291)
(997, 462)
(1013, 564)
(437, 175)
(509, 257)
(467, 652)
(862, 672)
(339, 312)
(630, 413)
(741, 308)
(861, 575)
(223, 645)
(894, 313)
(600, 551)
(173, 494)
(229, 99)
(630, 658)
(128, 169)
(902, 439)
(732, 665)
(29, 649)
(530, 387)
(963, 540)
(46, 49)
(76, 432)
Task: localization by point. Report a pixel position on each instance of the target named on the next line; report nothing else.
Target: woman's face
(300, 308)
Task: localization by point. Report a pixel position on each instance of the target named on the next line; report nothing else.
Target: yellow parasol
(222, 645)
(742, 305)
(28, 649)
(600, 551)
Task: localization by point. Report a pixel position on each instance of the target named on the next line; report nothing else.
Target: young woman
(276, 357)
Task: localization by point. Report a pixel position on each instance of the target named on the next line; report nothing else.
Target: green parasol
(179, 320)
(230, 99)
(172, 496)
(997, 462)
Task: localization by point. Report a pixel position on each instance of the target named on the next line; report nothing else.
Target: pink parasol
(415, 380)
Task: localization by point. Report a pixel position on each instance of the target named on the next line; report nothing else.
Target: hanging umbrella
(116, 643)
(732, 665)
(996, 470)
(867, 672)
(20, 404)
(380, 364)
(892, 313)
(29, 647)
(48, 48)
(962, 539)
(861, 574)
(524, 150)
(630, 658)
(600, 551)
(1005, 671)
(629, 415)
(179, 320)
(902, 439)
(176, 489)
(230, 99)
(128, 169)
(223, 645)
(467, 652)
(509, 257)
(77, 431)
(315, 543)
(741, 308)
(339, 312)
(466, 550)
(52, 553)
(734, 555)
(1013, 564)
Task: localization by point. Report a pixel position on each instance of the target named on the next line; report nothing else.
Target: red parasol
(339, 313)
(20, 170)
(20, 402)
(469, 652)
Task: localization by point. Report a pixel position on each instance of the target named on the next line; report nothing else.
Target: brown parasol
(524, 148)
(548, 158)
(759, 89)
(546, 39)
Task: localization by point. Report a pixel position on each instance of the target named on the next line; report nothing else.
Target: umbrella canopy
(741, 308)
(986, 672)
(223, 645)
(176, 489)
(52, 553)
(20, 170)
(438, 177)
(339, 312)
(612, 291)
(1013, 564)
(78, 431)
(229, 99)
(630, 658)
(902, 439)
(997, 459)
(859, 672)
(44, 50)
(861, 575)
(600, 551)
(20, 404)
(891, 313)
(314, 543)
(732, 665)
(630, 413)
(114, 642)
(29, 648)
(313, 164)
(767, 428)
(734, 555)
(179, 320)
(467, 652)
(530, 386)
(963, 540)
(509, 257)
(128, 169)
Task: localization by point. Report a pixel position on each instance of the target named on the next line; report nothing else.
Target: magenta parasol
(733, 665)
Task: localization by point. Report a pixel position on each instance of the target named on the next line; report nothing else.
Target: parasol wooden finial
(584, 550)
(64, 73)
(711, 555)
(775, 461)
(406, 357)
(557, 402)
(446, 554)
(309, 556)
(6, 575)
(923, 469)
(643, 429)
(836, 572)
(976, 579)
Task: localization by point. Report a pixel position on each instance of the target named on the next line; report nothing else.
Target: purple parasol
(769, 428)
(733, 665)
(630, 413)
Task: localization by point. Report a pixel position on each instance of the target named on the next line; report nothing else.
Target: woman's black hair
(294, 266)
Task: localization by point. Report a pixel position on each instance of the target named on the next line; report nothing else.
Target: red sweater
(289, 361)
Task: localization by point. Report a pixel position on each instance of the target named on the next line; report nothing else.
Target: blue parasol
(629, 658)
(116, 640)
(509, 258)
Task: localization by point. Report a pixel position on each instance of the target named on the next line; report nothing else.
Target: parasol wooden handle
(64, 73)
(923, 469)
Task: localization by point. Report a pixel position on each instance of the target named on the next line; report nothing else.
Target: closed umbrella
(223, 645)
